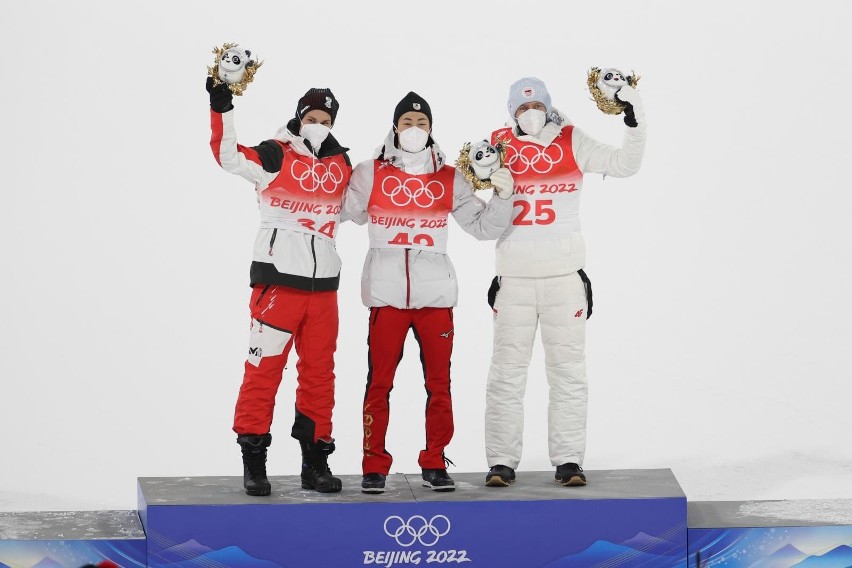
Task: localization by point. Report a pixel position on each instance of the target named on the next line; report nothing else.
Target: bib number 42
(538, 212)
(405, 239)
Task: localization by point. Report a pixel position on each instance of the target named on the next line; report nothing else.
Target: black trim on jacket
(271, 152)
(265, 273)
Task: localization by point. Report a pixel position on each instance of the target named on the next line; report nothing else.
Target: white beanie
(527, 90)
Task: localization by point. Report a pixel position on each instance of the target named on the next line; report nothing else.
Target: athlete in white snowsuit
(539, 260)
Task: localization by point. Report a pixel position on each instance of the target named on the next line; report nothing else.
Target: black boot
(254, 463)
(315, 472)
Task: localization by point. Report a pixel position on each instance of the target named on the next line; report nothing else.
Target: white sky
(719, 343)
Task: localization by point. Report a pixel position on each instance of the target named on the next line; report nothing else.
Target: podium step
(71, 539)
(625, 518)
(771, 534)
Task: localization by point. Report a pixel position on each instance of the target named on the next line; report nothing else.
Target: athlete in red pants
(282, 316)
(299, 177)
(433, 329)
(405, 196)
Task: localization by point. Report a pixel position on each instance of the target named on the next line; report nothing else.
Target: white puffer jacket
(410, 277)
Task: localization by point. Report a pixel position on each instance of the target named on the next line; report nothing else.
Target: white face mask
(315, 134)
(413, 139)
(532, 121)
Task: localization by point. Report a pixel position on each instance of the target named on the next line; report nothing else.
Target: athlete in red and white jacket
(540, 280)
(299, 177)
(405, 195)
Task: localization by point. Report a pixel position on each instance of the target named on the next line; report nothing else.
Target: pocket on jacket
(430, 267)
(492, 291)
(587, 285)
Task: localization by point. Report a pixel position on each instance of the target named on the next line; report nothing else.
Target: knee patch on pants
(266, 341)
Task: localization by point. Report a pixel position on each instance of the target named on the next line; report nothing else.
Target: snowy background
(719, 346)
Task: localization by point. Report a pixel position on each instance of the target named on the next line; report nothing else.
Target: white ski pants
(558, 304)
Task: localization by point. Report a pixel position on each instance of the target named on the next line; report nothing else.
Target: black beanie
(412, 102)
(318, 99)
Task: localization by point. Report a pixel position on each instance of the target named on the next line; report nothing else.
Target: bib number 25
(538, 212)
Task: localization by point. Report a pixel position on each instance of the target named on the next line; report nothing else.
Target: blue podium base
(771, 534)
(627, 518)
(70, 539)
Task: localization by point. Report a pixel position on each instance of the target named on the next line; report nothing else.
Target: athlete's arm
(485, 221)
(357, 194)
(596, 157)
(258, 165)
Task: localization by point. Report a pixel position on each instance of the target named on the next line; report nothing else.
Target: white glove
(503, 182)
(634, 110)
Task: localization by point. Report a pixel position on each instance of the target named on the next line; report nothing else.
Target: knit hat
(527, 90)
(318, 99)
(412, 102)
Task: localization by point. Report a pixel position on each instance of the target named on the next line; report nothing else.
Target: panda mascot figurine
(478, 160)
(610, 81)
(605, 83)
(234, 66)
(484, 159)
(233, 63)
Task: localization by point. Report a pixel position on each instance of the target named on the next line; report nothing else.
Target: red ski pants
(284, 317)
(433, 329)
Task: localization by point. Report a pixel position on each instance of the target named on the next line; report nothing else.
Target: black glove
(221, 98)
(629, 115)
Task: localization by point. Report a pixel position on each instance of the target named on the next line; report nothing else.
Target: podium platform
(771, 534)
(70, 539)
(623, 518)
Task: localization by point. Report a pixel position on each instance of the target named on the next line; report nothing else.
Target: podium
(771, 534)
(70, 539)
(624, 518)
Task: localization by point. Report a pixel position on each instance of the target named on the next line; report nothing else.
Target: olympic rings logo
(417, 529)
(532, 157)
(402, 193)
(317, 177)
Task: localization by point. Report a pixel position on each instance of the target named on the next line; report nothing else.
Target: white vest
(548, 184)
(306, 194)
(410, 211)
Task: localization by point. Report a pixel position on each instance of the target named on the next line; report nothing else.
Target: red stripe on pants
(312, 318)
(433, 328)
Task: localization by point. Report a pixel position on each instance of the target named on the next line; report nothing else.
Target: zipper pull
(272, 240)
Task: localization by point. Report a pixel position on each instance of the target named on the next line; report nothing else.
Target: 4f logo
(579, 314)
